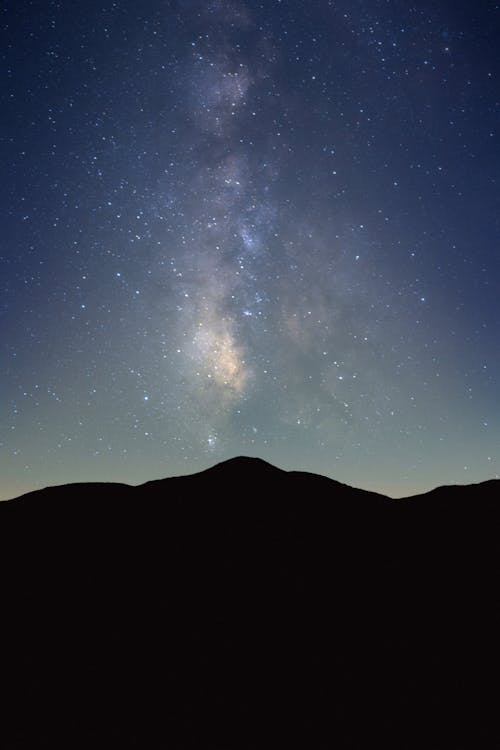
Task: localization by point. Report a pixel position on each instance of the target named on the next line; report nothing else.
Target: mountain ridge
(246, 606)
(247, 463)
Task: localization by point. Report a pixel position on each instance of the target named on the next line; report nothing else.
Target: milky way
(243, 228)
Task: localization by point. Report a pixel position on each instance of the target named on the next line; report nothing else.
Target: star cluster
(233, 227)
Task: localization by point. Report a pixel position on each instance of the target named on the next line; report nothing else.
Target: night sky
(252, 228)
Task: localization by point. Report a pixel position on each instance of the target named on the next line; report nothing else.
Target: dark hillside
(248, 607)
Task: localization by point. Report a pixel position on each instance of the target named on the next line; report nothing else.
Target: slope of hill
(248, 607)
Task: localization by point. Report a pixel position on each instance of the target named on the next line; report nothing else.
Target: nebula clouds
(231, 218)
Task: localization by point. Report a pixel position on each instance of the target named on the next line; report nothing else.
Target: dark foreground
(246, 607)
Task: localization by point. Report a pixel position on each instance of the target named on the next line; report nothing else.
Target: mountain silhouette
(249, 607)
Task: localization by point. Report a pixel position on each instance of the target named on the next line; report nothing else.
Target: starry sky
(238, 227)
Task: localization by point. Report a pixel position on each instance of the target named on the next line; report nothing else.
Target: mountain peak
(244, 463)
